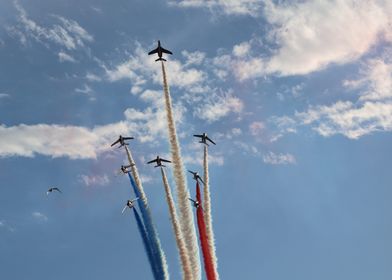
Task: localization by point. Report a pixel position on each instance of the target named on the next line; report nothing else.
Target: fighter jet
(121, 140)
(53, 189)
(159, 50)
(130, 204)
(125, 168)
(159, 161)
(204, 138)
(196, 176)
(195, 203)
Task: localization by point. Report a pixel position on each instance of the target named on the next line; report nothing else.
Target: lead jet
(130, 204)
(159, 50)
(195, 203)
(159, 161)
(121, 140)
(204, 138)
(196, 176)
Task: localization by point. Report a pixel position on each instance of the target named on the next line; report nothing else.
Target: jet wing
(57, 189)
(166, 51)
(154, 160)
(125, 208)
(128, 138)
(196, 135)
(115, 143)
(210, 140)
(165, 160)
(153, 51)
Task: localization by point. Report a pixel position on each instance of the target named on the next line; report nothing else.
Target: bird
(53, 189)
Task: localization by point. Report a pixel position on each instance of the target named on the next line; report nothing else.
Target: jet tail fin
(160, 59)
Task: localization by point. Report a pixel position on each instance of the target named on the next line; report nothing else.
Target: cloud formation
(275, 159)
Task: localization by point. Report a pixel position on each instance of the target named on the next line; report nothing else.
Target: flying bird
(121, 140)
(158, 161)
(53, 189)
(204, 138)
(130, 204)
(159, 50)
(195, 203)
(196, 176)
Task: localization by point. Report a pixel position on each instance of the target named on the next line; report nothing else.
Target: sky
(296, 94)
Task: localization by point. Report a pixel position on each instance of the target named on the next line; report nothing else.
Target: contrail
(146, 243)
(207, 213)
(182, 192)
(147, 217)
(182, 249)
(208, 263)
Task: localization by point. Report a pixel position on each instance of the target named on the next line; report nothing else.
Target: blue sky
(296, 94)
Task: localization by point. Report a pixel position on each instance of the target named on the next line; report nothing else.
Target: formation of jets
(196, 176)
(130, 204)
(160, 51)
(121, 140)
(204, 138)
(52, 190)
(158, 161)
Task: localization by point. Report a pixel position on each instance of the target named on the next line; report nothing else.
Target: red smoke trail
(208, 264)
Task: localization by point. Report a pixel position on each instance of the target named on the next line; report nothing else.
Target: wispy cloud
(67, 34)
(94, 180)
(39, 216)
(4, 225)
(238, 7)
(64, 57)
(4, 95)
(276, 159)
(372, 111)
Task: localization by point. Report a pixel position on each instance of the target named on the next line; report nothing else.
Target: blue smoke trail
(146, 243)
(150, 230)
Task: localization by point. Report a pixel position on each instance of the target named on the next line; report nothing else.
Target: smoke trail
(207, 213)
(182, 192)
(146, 243)
(183, 251)
(208, 263)
(152, 235)
(147, 218)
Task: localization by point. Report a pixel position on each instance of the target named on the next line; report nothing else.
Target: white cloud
(219, 106)
(94, 180)
(68, 34)
(229, 7)
(4, 95)
(85, 89)
(242, 49)
(372, 111)
(272, 158)
(6, 226)
(39, 216)
(64, 57)
(92, 77)
(313, 34)
(256, 128)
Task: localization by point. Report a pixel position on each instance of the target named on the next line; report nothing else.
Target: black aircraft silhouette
(125, 168)
(159, 161)
(204, 138)
(53, 189)
(121, 140)
(196, 176)
(130, 204)
(195, 203)
(159, 50)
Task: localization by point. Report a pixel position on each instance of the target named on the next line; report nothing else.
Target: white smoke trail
(143, 198)
(182, 192)
(182, 249)
(207, 213)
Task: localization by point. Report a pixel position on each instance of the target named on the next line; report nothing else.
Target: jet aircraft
(158, 161)
(53, 189)
(195, 203)
(204, 138)
(196, 176)
(130, 204)
(159, 50)
(121, 140)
